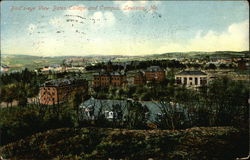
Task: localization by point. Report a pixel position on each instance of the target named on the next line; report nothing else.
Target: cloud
(235, 38)
(109, 16)
(32, 28)
(56, 22)
(103, 19)
(63, 36)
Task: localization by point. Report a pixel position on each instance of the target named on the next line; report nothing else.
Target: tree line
(171, 64)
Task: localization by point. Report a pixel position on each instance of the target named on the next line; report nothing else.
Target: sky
(80, 28)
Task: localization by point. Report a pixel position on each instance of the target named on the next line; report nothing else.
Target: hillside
(17, 62)
(227, 54)
(31, 62)
(217, 143)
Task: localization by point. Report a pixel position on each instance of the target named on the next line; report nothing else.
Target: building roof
(191, 73)
(64, 82)
(106, 105)
(55, 65)
(154, 69)
(4, 66)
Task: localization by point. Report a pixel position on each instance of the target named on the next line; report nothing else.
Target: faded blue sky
(134, 28)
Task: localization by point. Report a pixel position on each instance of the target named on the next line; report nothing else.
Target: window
(178, 80)
(185, 80)
(190, 78)
(196, 81)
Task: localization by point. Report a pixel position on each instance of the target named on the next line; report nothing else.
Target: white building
(54, 68)
(191, 78)
(4, 68)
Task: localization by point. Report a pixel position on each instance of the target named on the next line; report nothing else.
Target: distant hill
(27, 61)
(32, 62)
(201, 54)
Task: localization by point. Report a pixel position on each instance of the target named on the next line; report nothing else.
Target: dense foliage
(20, 85)
(17, 123)
(217, 143)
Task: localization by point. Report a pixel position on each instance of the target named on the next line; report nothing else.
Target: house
(60, 90)
(4, 68)
(117, 109)
(92, 108)
(74, 69)
(54, 68)
(155, 73)
(191, 78)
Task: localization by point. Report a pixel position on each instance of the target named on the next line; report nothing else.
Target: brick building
(60, 90)
(191, 78)
(155, 73)
(106, 79)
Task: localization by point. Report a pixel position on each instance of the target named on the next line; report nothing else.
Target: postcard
(124, 80)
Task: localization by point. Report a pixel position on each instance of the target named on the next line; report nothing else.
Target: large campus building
(155, 73)
(191, 78)
(106, 79)
(109, 78)
(60, 90)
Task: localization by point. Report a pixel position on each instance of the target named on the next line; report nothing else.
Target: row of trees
(19, 86)
(162, 63)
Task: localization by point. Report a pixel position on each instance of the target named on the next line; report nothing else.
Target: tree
(10, 93)
(211, 66)
(223, 66)
(22, 100)
(171, 116)
(230, 101)
(137, 116)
